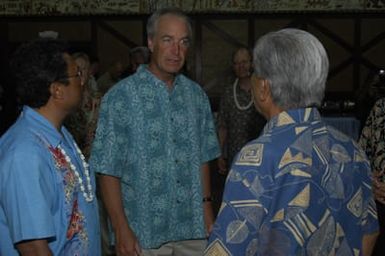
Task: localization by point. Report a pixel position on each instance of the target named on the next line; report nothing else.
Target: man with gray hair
(301, 188)
(154, 139)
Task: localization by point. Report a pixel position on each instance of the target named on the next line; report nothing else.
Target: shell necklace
(88, 195)
(236, 100)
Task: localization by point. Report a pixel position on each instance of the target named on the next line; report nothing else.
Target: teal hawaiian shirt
(301, 188)
(156, 140)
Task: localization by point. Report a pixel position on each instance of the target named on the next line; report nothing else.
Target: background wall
(352, 31)
(355, 41)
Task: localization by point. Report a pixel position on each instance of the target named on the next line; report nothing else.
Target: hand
(378, 186)
(126, 242)
(222, 165)
(208, 215)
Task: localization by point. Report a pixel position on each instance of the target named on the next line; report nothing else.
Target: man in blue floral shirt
(301, 188)
(154, 139)
(47, 193)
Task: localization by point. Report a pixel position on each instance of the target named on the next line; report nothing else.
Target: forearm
(207, 197)
(34, 248)
(206, 180)
(368, 242)
(112, 198)
(222, 137)
(126, 242)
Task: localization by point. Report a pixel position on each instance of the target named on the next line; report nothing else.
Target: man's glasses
(78, 74)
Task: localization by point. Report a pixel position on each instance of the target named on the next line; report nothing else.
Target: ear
(150, 44)
(56, 90)
(264, 92)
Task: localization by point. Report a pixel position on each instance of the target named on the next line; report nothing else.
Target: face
(84, 67)
(242, 63)
(169, 46)
(117, 71)
(136, 60)
(72, 93)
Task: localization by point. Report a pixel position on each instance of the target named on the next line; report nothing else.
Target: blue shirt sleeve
(233, 230)
(28, 205)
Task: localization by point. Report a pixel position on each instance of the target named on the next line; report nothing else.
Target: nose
(175, 48)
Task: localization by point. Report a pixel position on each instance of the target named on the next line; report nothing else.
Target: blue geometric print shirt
(156, 140)
(301, 188)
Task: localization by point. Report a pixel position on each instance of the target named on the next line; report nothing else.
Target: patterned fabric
(372, 138)
(301, 188)
(241, 125)
(39, 194)
(156, 140)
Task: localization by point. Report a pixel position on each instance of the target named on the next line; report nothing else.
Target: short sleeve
(105, 148)
(209, 140)
(370, 220)
(27, 194)
(234, 228)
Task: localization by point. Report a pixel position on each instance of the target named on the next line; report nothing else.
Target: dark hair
(35, 66)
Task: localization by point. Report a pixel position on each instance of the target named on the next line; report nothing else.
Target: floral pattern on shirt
(76, 225)
(156, 141)
(69, 178)
(372, 138)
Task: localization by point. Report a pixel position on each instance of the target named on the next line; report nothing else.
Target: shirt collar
(143, 70)
(45, 127)
(293, 116)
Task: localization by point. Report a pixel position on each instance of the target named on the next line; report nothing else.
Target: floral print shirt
(40, 195)
(372, 138)
(156, 140)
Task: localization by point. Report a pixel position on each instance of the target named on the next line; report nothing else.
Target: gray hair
(142, 50)
(296, 66)
(152, 22)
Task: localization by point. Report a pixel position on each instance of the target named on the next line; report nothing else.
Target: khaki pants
(180, 248)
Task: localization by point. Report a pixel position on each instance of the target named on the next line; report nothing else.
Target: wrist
(207, 199)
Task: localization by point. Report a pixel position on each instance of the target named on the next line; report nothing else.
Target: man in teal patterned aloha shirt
(301, 188)
(154, 138)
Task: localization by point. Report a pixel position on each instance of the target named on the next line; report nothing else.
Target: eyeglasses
(78, 74)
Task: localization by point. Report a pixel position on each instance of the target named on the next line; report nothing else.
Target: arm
(206, 192)
(126, 241)
(368, 242)
(222, 163)
(34, 248)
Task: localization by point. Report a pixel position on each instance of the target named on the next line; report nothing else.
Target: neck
(244, 83)
(52, 115)
(164, 76)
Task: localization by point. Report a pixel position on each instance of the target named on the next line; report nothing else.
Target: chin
(173, 70)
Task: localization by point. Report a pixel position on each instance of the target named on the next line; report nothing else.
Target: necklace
(236, 100)
(88, 196)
